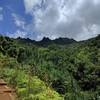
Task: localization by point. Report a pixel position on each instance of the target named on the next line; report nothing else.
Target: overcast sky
(78, 19)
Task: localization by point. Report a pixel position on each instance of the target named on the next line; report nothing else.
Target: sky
(35, 19)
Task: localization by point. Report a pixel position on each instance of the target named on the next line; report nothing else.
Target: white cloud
(1, 9)
(69, 18)
(19, 21)
(1, 15)
(30, 4)
(17, 34)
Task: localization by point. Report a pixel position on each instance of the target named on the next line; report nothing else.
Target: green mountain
(46, 41)
(69, 69)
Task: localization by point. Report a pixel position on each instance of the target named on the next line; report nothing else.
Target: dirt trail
(6, 93)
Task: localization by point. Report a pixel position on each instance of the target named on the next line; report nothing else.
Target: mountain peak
(59, 41)
(46, 39)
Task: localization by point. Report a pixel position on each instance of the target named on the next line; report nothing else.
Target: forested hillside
(60, 69)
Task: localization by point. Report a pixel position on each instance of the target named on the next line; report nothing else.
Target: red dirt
(6, 93)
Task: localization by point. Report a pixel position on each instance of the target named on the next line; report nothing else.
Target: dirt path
(6, 93)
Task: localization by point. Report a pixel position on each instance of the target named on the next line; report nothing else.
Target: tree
(59, 86)
(12, 52)
(21, 55)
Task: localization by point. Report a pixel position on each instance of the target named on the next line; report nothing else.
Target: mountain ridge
(46, 41)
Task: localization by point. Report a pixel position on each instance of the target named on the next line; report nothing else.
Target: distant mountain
(64, 41)
(46, 41)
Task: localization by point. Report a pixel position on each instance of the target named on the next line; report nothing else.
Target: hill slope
(27, 87)
(70, 68)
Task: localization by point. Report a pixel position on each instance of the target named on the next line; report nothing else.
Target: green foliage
(72, 70)
(29, 88)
